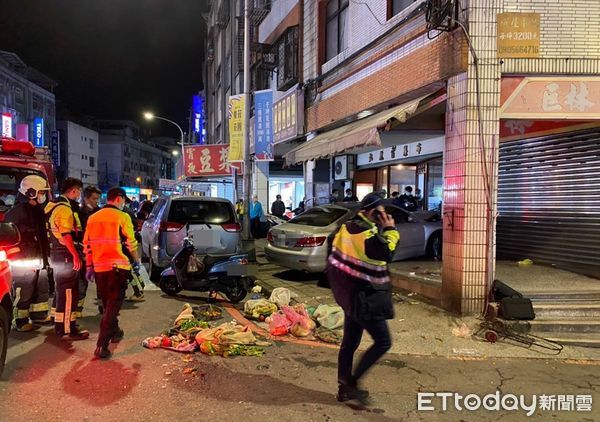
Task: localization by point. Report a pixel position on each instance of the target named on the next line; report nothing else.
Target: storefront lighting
(365, 113)
(399, 166)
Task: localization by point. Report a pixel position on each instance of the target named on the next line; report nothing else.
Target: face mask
(41, 199)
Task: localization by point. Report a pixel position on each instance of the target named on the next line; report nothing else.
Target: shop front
(549, 172)
(417, 164)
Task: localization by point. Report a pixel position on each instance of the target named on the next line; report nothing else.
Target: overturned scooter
(207, 273)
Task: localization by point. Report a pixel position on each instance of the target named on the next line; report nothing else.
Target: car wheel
(434, 247)
(169, 285)
(4, 329)
(153, 270)
(236, 293)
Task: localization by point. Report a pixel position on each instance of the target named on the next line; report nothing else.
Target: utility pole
(247, 167)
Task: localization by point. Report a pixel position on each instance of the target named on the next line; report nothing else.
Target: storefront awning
(358, 134)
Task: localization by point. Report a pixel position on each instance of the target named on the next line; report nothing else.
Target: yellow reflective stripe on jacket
(107, 230)
(63, 220)
(356, 273)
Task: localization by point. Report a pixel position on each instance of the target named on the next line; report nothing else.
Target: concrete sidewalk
(418, 327)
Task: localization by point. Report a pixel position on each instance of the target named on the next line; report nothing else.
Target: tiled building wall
(310, 40)
(469, 144)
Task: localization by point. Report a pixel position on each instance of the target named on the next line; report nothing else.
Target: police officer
(107, 229)
(30, 287)
(358, 275)
(65, 228)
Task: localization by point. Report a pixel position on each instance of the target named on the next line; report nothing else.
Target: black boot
(117, 336)
(352, 396)
(102, 352)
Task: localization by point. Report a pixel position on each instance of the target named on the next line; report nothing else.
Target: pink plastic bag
(279, 325)
(298, 315)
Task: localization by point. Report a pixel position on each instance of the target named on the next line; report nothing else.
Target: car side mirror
(9, 235)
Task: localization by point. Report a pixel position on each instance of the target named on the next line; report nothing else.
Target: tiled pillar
(260, 183)
(309, 183)
(467, 209)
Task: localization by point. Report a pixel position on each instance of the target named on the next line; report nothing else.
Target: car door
(411, 235)
(150, 229)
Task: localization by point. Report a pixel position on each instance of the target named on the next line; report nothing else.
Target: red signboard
(209, 160)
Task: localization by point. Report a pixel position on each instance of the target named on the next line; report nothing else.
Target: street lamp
(151, 116)
(175, 153)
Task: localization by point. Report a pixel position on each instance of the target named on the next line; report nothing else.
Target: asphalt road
(46, 379)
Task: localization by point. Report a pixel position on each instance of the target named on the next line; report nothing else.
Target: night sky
(112, 58)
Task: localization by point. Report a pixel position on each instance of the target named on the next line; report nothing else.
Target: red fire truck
(17, 160)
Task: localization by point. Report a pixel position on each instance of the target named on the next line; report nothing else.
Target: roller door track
(549, 201)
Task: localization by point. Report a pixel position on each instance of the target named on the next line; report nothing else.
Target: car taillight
(270, 237)
(310, 242)
(232, 227)
(168, 226)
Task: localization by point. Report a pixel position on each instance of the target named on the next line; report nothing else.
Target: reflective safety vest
(349, 252)
(106, 231)
(62, 220)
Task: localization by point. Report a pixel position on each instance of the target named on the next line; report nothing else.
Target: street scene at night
(303, 210)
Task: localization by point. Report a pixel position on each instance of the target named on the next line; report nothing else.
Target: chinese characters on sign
(7, 125)
(564, 98)
(518, 35)
(415, 149)
(235, 114)
(263, 125)
(288, 116)
(208, 160)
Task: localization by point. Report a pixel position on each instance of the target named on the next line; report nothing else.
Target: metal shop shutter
(549, 201)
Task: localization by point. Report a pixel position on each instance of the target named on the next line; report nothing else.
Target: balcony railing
(259, 9)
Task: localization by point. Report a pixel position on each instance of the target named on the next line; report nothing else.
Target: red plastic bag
(279, 325)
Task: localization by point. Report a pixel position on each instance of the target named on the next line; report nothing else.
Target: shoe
(352, 396)
(46, 321)
(102, 352)
(26, 328)
(78, 335)
(118, 336)
(134, 298)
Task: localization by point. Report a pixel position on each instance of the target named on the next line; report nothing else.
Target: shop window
(435, 184)
(396, 6)
(337, 27)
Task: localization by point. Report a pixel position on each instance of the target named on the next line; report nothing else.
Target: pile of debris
(325, 322)
(192, 331)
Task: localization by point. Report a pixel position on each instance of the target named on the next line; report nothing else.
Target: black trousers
(111, 287)
(30, 290)
(66, 294)
(353, 331)
(255, 227)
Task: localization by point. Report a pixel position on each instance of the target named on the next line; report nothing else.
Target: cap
(115, 192)
(375, 199)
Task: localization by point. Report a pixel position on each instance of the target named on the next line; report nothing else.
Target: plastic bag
(258, 307)
(298, 315)
(330, 317)
(279, 325)
(281, 296)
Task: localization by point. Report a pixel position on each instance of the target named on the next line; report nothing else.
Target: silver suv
(211, 221)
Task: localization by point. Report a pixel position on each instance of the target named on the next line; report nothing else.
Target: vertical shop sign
(38, 132)
(55, 146)
(263, 125)
(7, 125)
(235, 114)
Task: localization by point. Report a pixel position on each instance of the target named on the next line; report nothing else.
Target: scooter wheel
(169, 285)
(236, 293)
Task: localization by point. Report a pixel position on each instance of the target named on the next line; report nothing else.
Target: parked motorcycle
(207, 273)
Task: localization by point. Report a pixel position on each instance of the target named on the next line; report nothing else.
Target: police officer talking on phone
(358, 274)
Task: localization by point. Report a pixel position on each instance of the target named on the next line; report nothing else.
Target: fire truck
(17, 160)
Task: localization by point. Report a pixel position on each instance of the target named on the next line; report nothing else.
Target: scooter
(207, 273)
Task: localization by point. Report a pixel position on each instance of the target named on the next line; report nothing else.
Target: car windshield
(201, 212)
(319, 217)
(10, 179)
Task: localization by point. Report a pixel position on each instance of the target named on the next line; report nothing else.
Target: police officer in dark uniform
(358, 275)
(66, 233)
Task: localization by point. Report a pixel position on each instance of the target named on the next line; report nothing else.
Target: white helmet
(31, 185)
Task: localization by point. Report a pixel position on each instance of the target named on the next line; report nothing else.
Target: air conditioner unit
(343, 167)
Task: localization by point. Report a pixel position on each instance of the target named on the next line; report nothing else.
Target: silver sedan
(304, 242)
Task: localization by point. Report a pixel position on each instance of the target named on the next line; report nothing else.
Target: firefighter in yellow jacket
(107, 230)
(65, 258)
(358, 275)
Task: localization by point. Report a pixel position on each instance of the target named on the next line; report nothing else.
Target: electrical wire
(370, 10)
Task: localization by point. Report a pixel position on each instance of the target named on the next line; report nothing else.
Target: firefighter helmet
(32, 184)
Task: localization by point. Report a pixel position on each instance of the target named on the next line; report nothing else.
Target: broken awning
(358, 134)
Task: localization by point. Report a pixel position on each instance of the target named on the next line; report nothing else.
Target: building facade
(79, 152)
(26, 100)
(125, 159)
